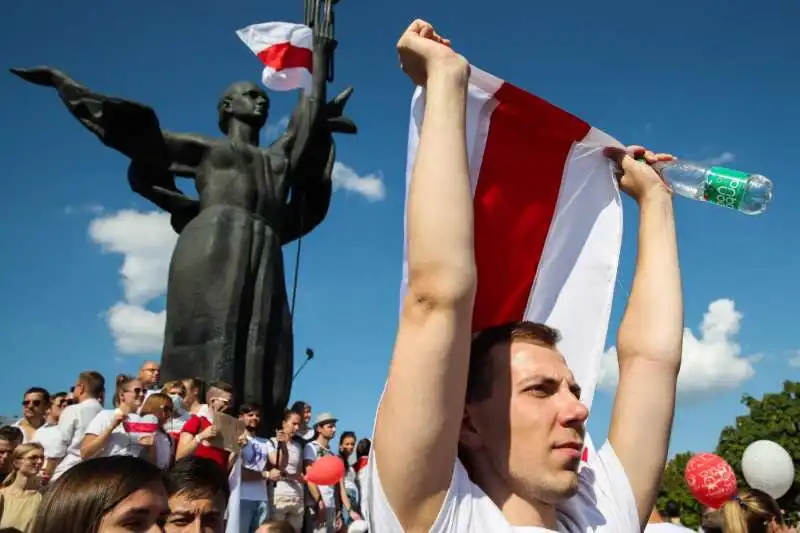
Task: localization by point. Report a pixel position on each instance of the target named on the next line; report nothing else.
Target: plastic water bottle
(747, 193)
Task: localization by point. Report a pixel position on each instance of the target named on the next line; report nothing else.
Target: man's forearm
(440, 213)
(652, 327)
(649, 351)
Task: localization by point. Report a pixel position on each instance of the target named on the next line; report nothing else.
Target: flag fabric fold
(285, 49)
(548, 218)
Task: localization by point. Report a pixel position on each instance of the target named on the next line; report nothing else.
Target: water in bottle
(747, 193)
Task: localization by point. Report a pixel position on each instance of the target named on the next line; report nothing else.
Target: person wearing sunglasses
(50, 437)
(106, 435)
(35, 402)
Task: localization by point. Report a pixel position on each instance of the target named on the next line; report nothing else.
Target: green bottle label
(725, 187)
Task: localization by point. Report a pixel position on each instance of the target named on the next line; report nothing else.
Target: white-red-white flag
(548, 218)
(285, 49)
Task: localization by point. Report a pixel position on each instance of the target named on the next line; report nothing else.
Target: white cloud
(794, 360)
(710, 363)
(146, 241)
(370, 186)
(721, 159)
(136, 329)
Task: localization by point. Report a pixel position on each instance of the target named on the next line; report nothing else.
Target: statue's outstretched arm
(126, 126)
(185, 152)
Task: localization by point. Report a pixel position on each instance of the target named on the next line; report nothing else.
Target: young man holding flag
(490, 425)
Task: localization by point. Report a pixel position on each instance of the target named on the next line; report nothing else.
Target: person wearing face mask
(176, 390)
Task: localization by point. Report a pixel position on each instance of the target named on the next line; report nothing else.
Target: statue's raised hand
(45, 76)
(337, 122)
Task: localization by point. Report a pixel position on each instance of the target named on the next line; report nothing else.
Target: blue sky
(720, 82)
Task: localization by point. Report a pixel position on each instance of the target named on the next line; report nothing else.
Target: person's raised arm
(650, 337)
(420, 415)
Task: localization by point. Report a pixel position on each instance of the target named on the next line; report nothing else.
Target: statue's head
(243, 101)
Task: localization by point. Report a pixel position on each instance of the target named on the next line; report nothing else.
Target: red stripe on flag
(515, 199)
(140, 427)
(285, 55)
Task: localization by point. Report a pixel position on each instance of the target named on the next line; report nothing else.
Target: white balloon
(767, 466)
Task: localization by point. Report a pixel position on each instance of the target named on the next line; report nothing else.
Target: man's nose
(574, 412)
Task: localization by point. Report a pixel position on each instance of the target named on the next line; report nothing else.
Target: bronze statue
(228, 315)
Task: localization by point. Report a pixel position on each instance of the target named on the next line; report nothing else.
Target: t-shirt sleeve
(50, 439)
(192, 426)
(455, 515)
(66, 425)
(309, 453)
(605, 497)
(101, 422)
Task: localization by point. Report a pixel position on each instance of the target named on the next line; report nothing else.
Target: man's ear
(469, 437)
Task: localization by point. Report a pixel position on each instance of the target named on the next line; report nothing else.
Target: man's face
(220, 401)
(328, 430)
(6, 449)
(530, 430)
(251, 419)
(33, 405)
(195, 515)
(307, 414)
(57, 405)
(150, 374)
(249, 103)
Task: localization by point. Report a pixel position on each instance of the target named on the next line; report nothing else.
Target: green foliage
(774, 417)
(673, 488)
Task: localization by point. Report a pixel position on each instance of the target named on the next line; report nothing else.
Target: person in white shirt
(487, 434)
(106, 435)
(322, 500)
(75, 418)
(35, 403)
(50, 437)
(286, 451)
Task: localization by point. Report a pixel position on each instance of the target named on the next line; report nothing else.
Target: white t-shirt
(666, 527)
(286, 487)
(51, 440)
(604, 503)
(72, 424)
(120, 442)
(312, 452)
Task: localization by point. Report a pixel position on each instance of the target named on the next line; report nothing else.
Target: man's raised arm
(416, 433)
(650, 337)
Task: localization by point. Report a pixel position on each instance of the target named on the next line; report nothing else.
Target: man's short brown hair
(481, 372)
(94, 382)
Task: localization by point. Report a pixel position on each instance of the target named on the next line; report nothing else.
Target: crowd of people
(476, 432)
(67, 441)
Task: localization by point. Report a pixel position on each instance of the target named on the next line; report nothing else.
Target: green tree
(674, 488)
(774, 417)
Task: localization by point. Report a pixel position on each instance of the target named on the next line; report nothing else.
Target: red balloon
(326, 470)
(711, 479)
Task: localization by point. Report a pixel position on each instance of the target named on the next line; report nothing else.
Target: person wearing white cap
(322, 500)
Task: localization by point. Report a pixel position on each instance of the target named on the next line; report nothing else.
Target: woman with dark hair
(104, 495)
(306, 432)
(349, 485)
